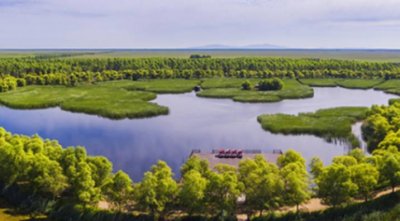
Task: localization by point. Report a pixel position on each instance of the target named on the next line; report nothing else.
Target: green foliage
(157, 192)
(222, 191)
(380, 129)
(232, 89)
(246, 85)
(42, 177)
(295, 178)
(335, 186)
(343, 82)
(36, 172)
(119, 190)
(274, 84)
(327, 123)
(262, 185)
(194, 56)
(105, 100)
(192, 192)
(388, 163)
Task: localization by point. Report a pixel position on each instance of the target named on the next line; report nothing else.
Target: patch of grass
(346, 83)
(390, 86)
(226, 82)
(326, 123)
(103, 100)
(319, 82)
(359, 83)
(231, 88)
(162, 86)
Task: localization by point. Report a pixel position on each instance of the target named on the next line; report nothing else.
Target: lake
(193, 123)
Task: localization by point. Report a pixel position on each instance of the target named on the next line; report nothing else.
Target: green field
(326, 123)
(103, 100)
(362, 55)
(346, 83)
(160, 86)
(231, 88)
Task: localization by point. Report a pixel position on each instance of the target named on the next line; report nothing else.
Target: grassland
(130, 99)
(326, 123)
(362, 55)
(161, 86)
(346, 83)
(231, 88)
(103, 100)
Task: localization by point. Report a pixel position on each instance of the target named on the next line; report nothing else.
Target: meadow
(327, 123)
(349, 54)
(103, 100)
(231, 88)
(345, 83)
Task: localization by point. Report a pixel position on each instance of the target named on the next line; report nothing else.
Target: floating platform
(234, 156)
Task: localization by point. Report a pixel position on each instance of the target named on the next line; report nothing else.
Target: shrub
(246, 85)
(274, 84)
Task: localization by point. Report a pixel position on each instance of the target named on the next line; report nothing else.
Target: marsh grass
(333, 123)
(345, 83)
(169, 86)
(219, 88)
(103, 100)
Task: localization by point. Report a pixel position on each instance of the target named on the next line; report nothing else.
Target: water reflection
(193, 123)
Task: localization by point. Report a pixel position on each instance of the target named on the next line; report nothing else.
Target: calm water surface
(193, 123)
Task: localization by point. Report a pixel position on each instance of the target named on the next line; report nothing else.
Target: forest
(71, 71)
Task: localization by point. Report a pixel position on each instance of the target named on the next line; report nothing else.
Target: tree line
(39, 174)
(71, 71)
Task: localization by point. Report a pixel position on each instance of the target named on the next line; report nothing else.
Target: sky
(27, 24)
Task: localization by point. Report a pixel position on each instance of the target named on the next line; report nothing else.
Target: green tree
(296, 184)
(192, 192)
(157, 191)
(246, 85)
(316, 166)
(119, 190)
(262, 185)
(335, 185)
(388, 163)
(365, 176)
(197, 164)
(223, 191)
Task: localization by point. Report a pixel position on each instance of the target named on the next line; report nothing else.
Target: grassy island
(104, 100)
(231, 88)
(326, 123)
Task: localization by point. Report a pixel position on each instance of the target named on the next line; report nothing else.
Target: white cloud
(183, 23)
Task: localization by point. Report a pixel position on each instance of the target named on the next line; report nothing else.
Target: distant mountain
(263, 46)
(252, 46)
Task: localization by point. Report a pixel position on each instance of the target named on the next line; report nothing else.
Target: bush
(274, 84)
(246, 85)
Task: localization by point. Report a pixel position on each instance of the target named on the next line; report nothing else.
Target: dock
(233, 156)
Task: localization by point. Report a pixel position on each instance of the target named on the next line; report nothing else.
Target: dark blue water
(193, 123)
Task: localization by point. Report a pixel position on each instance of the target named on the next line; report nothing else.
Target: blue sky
(190, 23)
